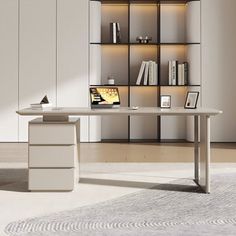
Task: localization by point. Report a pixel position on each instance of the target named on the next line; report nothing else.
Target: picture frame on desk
(165, 101)
(191, 100)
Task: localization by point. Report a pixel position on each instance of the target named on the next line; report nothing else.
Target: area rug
(174, 209)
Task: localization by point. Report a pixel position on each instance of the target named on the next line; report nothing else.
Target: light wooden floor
(129, 152)
(101, 178)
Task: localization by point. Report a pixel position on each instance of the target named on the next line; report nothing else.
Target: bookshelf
(174, 26)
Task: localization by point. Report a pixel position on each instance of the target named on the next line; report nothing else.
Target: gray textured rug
(168, 209)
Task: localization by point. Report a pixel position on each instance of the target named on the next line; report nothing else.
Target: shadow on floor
(15, 180)
(188, 187)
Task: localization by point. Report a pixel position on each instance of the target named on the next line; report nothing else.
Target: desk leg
(196, 149)
(204, 178)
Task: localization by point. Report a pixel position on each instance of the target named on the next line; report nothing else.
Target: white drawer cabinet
(52, 134)
(53, 155)
(51, 179)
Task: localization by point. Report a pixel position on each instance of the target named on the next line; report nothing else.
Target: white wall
(50, 60)
(8, 70)
(72, 56)
(37, 55)
(218, 65)
(44, 50)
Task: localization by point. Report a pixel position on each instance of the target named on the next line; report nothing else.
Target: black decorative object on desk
(44, 100)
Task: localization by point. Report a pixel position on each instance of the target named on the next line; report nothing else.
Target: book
(113, 32)
(152, 73)
(174, 70)
(141, 71)
(180, 74)
(40, 105)
(185, 73)
(150, 69)
(170, 72)
(145, 81)
(118, 34)
(155, 82)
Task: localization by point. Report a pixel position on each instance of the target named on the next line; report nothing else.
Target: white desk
(201, 152)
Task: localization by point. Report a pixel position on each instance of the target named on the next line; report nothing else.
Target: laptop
(104, 97)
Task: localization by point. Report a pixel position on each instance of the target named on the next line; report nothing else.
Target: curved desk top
(142, 111)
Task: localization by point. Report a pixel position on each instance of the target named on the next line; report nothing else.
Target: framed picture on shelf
(165, 101)
(191, 100)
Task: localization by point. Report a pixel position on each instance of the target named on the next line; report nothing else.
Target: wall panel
(37, 60)
(72, 56)
(8, 70)
(218, 65)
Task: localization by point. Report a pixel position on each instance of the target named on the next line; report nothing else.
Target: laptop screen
(104, 97)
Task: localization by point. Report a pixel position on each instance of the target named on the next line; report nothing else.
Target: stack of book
(149, 72)
(178, 73)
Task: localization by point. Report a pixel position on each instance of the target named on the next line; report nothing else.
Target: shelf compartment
(180, 23)
(144, 19)
(115, 13)
(174, 127)
(181, 53)
(144, 127)
(173, 24)
(167, 53)
(139, 54)
(115, 63)
(116, 127)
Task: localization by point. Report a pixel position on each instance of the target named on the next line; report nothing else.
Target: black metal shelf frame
(145, 44)
(134, 85)
(144, 1)
(158, 44)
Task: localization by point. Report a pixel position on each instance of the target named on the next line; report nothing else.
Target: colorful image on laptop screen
(102, 96)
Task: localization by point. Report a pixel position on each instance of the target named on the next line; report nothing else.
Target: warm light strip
(173, 4)
(144, 4)
(115, 4)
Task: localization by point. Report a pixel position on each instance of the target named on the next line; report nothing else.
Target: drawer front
(51, 179)
(53, 156)
(52, 134)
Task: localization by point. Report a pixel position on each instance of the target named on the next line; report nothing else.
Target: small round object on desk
(134, 108)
